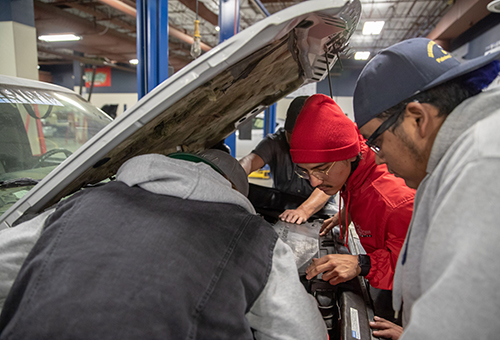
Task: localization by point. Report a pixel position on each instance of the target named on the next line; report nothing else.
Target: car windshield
(39, 129)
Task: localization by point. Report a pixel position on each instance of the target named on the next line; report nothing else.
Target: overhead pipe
(261, 7)
(184, 37)
(121, 6)
(131, 11)
(461, 16)
(84, 60)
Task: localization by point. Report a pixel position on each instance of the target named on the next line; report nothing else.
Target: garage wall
(19, 54)
(122, 99)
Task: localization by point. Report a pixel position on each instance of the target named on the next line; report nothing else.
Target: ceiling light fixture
(362, 55)
(373, 27)
(59, 37)
(196, 46)
(494, 6)
(134, 61)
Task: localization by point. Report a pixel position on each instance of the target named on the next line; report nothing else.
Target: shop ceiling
(108, 27)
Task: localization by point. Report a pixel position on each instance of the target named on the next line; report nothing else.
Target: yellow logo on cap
(430, 52)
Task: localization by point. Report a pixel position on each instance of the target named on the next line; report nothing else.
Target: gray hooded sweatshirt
(447, 275)
(284, 310)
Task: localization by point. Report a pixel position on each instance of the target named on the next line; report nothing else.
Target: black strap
(365, 264)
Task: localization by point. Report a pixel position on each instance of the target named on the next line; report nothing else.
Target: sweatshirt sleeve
(284, 310)
(384, 260)
(265, 149)
(15, 245)
(459, 266)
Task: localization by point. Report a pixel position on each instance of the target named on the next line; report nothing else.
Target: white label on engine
(355, 324)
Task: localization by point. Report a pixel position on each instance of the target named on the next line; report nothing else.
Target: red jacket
(380, 206)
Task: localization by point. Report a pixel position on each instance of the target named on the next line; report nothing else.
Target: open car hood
(205, 102)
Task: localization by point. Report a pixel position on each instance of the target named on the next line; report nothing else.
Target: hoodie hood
(162, 175)
(365, 167)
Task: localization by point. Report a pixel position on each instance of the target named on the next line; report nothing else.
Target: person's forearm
(315, 202)
(246, 164)
(251, 162)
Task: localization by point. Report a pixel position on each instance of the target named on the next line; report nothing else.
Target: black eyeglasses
(382, 128)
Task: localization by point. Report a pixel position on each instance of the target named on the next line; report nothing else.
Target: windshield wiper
(18, 182)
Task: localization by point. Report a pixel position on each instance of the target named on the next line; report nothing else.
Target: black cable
(328, 69)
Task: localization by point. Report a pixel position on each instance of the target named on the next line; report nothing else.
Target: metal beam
(100, 15)
(84, 60)
(124, 8)
(261, 8)
(50, 19)
(461, 16)
(203, 11)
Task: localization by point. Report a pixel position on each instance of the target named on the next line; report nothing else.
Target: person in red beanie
(328, 149)
(274, 150)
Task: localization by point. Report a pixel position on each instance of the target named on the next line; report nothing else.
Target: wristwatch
(365, 264)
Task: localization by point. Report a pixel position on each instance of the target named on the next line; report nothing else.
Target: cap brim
(222, 162)
(463, 69)
(230, 167)
(194, 158)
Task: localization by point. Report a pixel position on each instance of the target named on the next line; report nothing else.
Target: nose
(315, 181)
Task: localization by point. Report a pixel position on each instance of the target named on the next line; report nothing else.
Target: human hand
(329, 224)
(336, 268)
(294, 216)
(385, 329)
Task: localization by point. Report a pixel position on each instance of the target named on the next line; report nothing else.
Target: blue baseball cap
(403, 70)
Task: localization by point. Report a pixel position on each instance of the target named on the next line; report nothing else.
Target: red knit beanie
(323, 133)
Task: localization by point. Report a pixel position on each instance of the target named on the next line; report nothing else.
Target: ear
(421, 117)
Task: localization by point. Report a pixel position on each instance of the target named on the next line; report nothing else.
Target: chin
(411, 184)
(329, 191)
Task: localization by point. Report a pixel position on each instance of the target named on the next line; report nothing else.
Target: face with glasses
(403, 146)
(371, 141)
(328, 177)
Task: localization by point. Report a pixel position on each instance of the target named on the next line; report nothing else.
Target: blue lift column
(229, 23)
(270, 120)
(270, 112)
(152, 44)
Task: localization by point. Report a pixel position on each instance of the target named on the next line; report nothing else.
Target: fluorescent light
(373, 27)
(217, 28)
(494, 6)
(134, 61)
(362, 55)
(59, 37)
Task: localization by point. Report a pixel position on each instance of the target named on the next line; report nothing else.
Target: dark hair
(355, 163)
(446, 97)
(293, 112)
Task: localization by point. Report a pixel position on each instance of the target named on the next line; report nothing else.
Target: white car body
(205, 102)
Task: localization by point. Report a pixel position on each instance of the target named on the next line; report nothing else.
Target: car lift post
(152, 44)
(270, 120)
(229, 23)
(270, 112)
